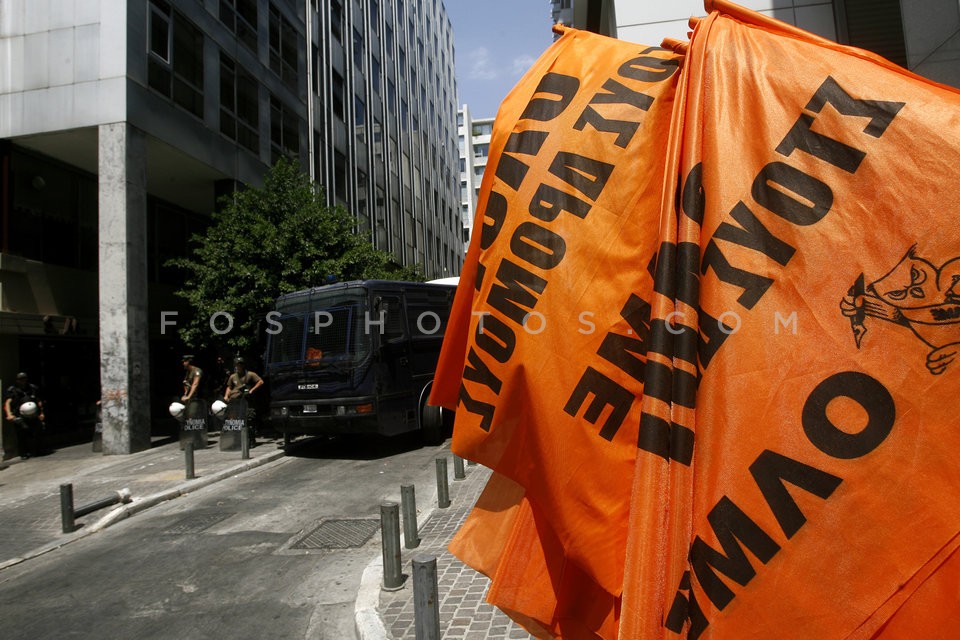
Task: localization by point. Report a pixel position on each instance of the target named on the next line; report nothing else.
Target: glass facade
(374, 79)
(387, 75)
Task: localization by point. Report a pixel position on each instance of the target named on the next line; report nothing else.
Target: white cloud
(480, 65)
(522, 63)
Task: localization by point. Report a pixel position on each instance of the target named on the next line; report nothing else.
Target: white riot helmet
(219, 406)
(176, 409)
(28, 408)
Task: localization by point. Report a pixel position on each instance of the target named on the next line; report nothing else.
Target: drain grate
(338, 534)
(197, 522)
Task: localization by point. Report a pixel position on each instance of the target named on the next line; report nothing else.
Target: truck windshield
(323, 331)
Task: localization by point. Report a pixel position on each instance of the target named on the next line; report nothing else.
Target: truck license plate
(309, 408)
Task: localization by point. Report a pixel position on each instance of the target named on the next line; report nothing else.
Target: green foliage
(266, 242)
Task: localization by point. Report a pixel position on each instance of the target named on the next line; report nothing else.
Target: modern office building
(474, 141)
(921, 35)
(122, 121)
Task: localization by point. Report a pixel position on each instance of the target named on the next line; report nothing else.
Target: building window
(363, 212)
(53, 212)
(336, 19)
(240, 16)
(340, 176)
(336, 91)
(483, 129)
(360, 119)
(283, 48)
(318, 157)
(357, 49)
(876, 25)
(167, 226)
(377, 137)
(239, 104)
(481, 150)
(175, 60)
(375, 74)
(160, 30)
(284, 131)
(315, 51)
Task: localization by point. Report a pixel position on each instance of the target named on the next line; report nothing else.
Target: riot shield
(194, 426)
(234, 422)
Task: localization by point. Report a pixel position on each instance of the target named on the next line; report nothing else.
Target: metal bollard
(459, 473)
(443, 488)
(245, 443)
(408, 505)
(120, 496)
(188, 454)
(68, 514)
(66, 508)
(426, 601)
(390, 543)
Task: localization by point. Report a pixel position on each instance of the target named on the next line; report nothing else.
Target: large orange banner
(713, 365)
(545, 359)
(816, 197)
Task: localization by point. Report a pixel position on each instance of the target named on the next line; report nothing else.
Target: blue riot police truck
(357, 357)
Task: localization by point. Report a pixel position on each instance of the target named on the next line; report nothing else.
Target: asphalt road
(235, 560)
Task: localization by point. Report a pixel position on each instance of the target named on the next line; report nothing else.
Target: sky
(496, 41)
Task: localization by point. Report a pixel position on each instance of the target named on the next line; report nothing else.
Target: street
(241, 558)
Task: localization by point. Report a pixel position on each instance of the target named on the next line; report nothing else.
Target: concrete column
(124, 336)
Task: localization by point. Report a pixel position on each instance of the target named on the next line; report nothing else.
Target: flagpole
(677, 46)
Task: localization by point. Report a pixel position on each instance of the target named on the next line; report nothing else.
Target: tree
(265, 242)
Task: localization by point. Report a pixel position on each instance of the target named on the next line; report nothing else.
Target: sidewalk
(464, 612)
(30, 489)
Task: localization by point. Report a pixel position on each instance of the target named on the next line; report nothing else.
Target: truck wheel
(448, 418)
(431, 425)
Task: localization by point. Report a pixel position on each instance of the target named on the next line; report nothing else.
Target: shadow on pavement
(354, 446)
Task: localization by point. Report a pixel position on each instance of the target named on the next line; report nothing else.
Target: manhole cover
(197, 522)
(338, 534)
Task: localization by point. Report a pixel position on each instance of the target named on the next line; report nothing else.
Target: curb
(366, 608)
(189, 486)
(365, 611)
(144, 503)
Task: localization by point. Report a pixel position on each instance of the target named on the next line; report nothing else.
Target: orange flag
(544, 359)
(506, 540)
(814, 315)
